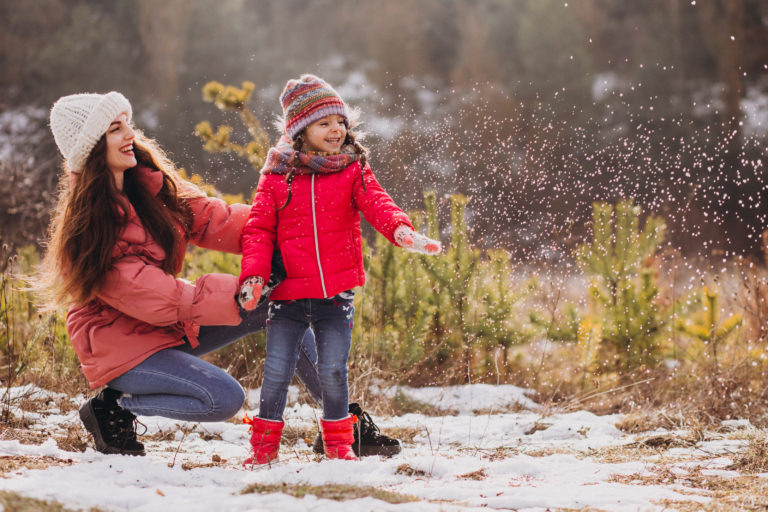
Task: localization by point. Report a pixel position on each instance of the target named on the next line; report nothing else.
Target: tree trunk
(722, 28)
(163, 28)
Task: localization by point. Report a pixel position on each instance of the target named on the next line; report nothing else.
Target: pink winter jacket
(318, 233)
(141, 309)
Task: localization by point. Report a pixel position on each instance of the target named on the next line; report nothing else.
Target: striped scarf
(283, 159)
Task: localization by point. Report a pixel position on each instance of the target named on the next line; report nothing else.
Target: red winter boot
(265, 440)
(338, 437)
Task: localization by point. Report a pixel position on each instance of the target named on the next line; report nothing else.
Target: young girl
(313, 187)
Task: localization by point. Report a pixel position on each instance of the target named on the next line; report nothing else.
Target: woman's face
(120, 137)
(326, 135)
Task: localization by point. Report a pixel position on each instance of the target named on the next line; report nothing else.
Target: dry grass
(293, 435)
(405, 434)
(726, 493)
(11, 464)
(537, 426)
(76, 439)
(499, 453)
(480, 474)
(336, 492)
(408, 470)
(547, 452)
(754, 459)
(216, 461)
(403, 404)
(17, 503)
(644, 420)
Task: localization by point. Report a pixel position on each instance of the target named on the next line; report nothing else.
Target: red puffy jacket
(141, 309)
(318, 233)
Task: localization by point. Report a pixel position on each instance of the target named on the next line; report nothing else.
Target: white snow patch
(464, 462)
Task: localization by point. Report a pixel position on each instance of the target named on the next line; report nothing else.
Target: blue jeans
(331, 320)
(176, 383)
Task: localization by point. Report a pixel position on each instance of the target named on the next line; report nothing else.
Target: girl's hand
(416, 242)
(250, 292)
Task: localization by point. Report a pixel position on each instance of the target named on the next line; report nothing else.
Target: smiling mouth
(127, 149)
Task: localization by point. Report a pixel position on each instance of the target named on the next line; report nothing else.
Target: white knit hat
(79, 120)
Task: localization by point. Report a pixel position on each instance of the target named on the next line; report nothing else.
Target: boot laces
(367, 427)
(122, 425)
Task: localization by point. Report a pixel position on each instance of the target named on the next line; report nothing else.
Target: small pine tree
(494, 317)
(624, 286)
(707, 326)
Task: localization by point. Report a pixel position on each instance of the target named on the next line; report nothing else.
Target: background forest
(596, 168)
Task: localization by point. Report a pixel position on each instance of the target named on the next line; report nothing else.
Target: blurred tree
(722, 30)
(235, 99)
(163, 28)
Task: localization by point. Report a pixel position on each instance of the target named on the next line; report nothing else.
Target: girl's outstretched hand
(250, 292)
(416, 242)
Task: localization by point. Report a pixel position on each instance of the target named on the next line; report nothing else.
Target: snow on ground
(460, 461)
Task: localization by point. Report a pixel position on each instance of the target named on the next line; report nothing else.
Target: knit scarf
(283, 159)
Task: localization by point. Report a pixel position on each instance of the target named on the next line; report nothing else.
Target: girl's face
(326, 135)
(120, 137)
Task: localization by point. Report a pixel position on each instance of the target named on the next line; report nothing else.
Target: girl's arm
(259, 234)
(147, 293)
(377, 206)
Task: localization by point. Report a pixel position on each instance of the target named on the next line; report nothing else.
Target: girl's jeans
(176, 383)
(331, 321)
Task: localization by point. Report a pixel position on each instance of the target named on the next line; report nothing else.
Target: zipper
(317, 243)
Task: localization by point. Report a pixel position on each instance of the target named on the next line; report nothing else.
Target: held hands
(250, 292)
(416, 242)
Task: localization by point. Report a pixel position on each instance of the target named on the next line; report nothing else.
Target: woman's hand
(250, 292)
(416, 242)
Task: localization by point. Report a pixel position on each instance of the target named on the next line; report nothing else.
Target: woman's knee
(227, 402)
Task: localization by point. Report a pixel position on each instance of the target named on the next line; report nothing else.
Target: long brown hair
(91, 214)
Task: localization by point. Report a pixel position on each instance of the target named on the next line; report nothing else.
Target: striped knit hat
(306, 100)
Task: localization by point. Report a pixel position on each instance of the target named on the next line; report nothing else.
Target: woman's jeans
(331, 321)
(176, 383)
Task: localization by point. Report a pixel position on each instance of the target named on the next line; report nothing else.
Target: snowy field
(503, 452)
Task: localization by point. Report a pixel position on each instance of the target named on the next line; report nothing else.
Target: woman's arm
(147, 293)
(216, 224)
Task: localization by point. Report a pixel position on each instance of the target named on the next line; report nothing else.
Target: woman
(118, 238)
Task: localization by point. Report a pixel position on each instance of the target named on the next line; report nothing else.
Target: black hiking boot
(368, 439)
(111, 426)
